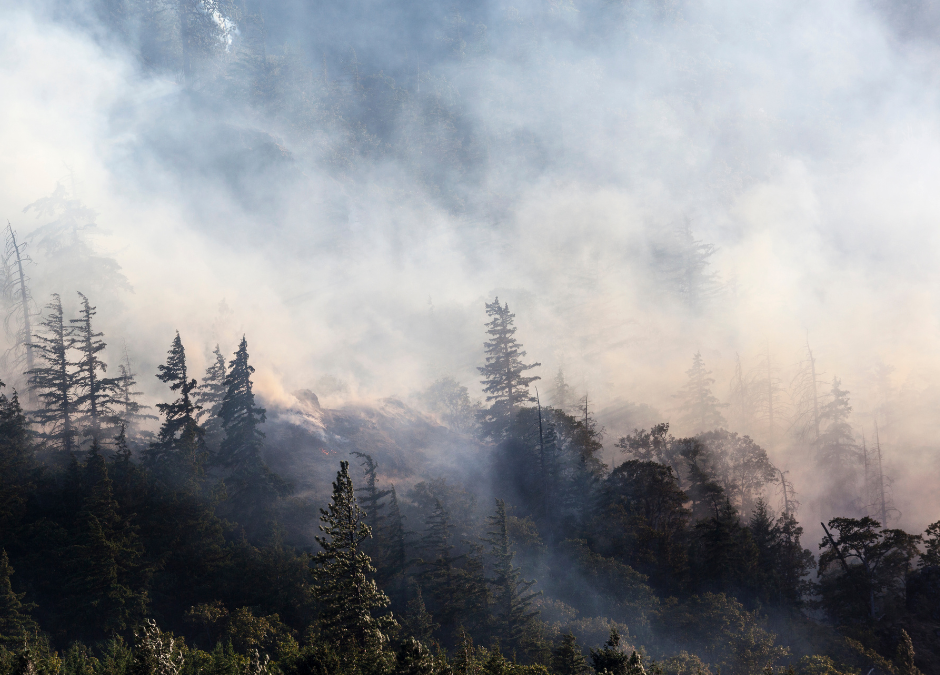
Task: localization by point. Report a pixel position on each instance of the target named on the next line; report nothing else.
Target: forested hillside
(477, 537)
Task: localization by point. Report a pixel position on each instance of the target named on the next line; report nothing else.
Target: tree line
(182, 551)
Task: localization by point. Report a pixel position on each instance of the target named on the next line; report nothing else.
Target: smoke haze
(572, 158)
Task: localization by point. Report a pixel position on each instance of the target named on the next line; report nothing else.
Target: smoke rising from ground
(581, 147)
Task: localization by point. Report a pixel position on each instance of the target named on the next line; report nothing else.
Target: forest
(129, 551)
(383, 481)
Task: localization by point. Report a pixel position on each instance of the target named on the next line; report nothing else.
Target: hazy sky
(801, 139)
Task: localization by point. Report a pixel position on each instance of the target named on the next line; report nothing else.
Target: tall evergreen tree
(179, 444)
(105, 590)
(373, 505)
(54, 381)
(210, 396)
(512, 601)
(16, 625)
(16, 459)
(349, 599)
(95, 395)
(129, 410)
(699, 409)
(243, 442)
(504, 382)
(567, 657)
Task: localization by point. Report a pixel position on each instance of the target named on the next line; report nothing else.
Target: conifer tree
(512, 601)
(210, 395)
(699, 409)
(837, 444)
(16, 625)
(243, 442)
(567, 657)
(105, 589)
(504, 382)
(373, 506)
(349, 599)
(53, 381)
(95, 395)
(179, 444)
(16, 458)
(396, 563)
(129, 410)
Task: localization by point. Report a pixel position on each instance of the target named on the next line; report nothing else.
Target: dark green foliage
(16, 459)
(863, 567)
(349, 599)
(782, 562)
(53, 381)
(512, 601)
(567, 658)
(414, 658)
(95, 395)
(16, 625)
(243, 442)
(209, 397)
(642, 520)
(931, 539)
(613, 660)
(503, 381)
(723, 556)
(106, 585)
(178, 452)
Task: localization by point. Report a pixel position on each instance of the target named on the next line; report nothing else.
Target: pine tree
(105, 588)
(905, 656)
(178, 449)
(16, 458)
(396, 562)
(15, 623)
(504, 382)
(95, 396)
(699, 409)
(129, 410)
(838, 455)
(210, 395)
(418, 622)
(243, 442)
(567, 657)
(348, 597)
(53, 381)
(512, 600)
(561, 392)
(373, 506)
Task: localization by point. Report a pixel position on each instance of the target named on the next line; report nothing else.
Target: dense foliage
(125, 552)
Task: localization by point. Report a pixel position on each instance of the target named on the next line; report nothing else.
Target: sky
(551, 153)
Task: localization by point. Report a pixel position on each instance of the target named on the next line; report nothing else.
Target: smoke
(571, 157)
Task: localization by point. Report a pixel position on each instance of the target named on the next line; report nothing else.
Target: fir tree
(210, 395)
(373, 506)
(349, 599)
(837, 446)
(699, 409)
(15, 623)
(905, 656)
(16, 458)
(396, 563)
(53, 381)
(567, 657)
(179, 445)
(243, 442)
(95, 395)
(129, 410)
(504, 382)
(418, 622)
(512, 601)
(105, 589)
